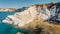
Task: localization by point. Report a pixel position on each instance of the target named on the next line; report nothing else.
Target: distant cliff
(49, 12)
(7, 9)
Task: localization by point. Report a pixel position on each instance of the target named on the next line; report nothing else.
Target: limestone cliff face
(39, 11)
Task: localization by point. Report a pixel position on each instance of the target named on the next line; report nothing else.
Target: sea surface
(3, 15)
(8, 28)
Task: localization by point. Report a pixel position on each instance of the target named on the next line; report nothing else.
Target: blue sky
(21, 3)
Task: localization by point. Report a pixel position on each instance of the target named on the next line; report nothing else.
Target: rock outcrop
(49, 11)
(22, 9)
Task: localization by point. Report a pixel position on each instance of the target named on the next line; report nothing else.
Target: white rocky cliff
(43, 11)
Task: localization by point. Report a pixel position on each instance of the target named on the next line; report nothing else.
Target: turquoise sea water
(3, 15)
(10, 29)
(7, 28)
